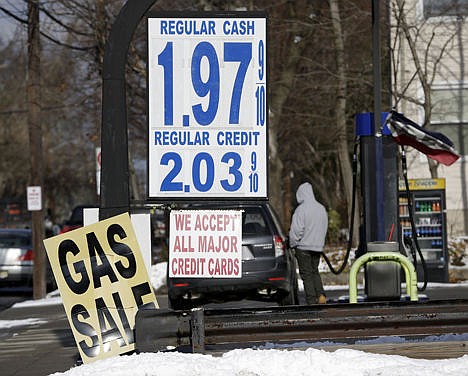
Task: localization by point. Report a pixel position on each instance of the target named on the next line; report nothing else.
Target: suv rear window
(253, 222)
(9, 240)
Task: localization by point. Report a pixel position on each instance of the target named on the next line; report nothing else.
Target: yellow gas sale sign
(103, 280)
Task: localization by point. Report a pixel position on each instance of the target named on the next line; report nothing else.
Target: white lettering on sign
(205, 244)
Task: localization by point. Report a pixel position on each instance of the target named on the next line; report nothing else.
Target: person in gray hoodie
(309, 227)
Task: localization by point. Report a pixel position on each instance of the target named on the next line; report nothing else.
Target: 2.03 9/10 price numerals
(204, 173)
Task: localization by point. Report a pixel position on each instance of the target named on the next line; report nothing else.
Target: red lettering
(187, 266)
(183, 222)
(197, 223)
(205, 224)
(174, 266)
(234, 244)
(223, 267)
(236, 267)
(176, 244)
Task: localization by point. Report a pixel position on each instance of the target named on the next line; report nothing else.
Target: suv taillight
(28, 256)
(279, 246)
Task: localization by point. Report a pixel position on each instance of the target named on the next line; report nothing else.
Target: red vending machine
(428, 203)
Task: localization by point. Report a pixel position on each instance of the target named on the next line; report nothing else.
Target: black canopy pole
(115, 192)
(377, 75)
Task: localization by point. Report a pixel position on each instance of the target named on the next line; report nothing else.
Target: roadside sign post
(34, 197)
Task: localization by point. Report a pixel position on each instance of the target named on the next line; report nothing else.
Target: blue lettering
(171, 26)
(180, 29)
(226, 27)
(237, 138)
(212, 30)
(187, 27)
(239, 27)
(163, 25)
(181, 138)
(250, 28)
(157, 138)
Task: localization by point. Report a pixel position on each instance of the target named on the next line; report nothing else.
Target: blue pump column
(379, 190)
(379, 179)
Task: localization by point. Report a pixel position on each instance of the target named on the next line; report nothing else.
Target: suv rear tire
(178, 304)
(291, 298)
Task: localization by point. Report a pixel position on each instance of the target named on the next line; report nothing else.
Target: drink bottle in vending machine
(426, 197)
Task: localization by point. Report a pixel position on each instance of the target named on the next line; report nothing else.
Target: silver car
(17, 258)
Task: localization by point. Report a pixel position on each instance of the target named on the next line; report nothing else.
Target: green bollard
(408, 267)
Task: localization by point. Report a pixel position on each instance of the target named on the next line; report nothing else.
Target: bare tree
(319, 70)
(427, 43)
(342, 139)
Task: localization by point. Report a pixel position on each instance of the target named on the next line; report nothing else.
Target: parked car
(268, 266)
(76, 218)
(17, 258)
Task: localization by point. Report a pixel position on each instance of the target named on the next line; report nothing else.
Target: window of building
(440, 8)
(449, 105)
(450, 115)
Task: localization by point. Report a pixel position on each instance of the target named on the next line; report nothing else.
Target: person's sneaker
(322, 299)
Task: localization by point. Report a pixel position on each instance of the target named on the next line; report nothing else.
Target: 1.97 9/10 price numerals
(203, 173)
(209, 87)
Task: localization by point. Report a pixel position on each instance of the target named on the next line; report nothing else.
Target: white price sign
(207, 81)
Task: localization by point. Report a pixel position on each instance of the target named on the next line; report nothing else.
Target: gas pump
(379, 251)
(379, 192)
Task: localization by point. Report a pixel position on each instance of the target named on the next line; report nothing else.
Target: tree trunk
(340, 110)
(279, 98)
(288, 199)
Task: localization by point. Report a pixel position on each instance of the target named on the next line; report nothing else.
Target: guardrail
(213, 330)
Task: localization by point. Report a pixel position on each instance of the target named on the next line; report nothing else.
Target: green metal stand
(408, 267)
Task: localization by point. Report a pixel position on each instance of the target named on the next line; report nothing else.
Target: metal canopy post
(115, 192)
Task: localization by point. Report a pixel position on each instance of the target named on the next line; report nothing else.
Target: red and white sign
(34, 196)
(205, 244)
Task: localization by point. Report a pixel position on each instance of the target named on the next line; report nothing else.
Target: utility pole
(35, 145)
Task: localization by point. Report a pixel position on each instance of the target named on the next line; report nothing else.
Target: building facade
(429, 49)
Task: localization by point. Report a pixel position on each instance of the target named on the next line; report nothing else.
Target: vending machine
(428, 204)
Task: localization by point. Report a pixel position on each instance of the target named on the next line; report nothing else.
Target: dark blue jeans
(308, 262)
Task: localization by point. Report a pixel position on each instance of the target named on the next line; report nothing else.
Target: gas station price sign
(207, 101)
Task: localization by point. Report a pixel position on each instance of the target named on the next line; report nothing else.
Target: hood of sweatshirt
(305, 192)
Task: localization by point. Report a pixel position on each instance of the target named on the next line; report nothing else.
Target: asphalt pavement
(44, 343)
(43, 347)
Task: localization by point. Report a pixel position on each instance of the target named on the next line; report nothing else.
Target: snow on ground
(255, 362)
(272, 363)
(5, 324)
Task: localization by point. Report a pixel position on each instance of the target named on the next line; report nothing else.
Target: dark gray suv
(268, 266)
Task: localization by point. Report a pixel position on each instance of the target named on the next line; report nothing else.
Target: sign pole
(35, 142)
(115, 193)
